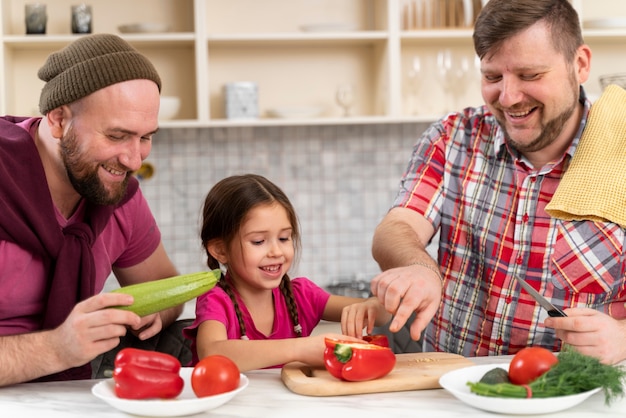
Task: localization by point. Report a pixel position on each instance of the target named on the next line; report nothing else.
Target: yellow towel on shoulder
(594, 185)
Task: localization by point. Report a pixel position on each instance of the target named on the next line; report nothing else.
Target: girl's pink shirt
(216, 305)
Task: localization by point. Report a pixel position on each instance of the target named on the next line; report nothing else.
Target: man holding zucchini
(488, 180)
(72, 213)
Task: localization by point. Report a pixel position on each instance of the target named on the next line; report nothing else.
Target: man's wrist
(429, 267)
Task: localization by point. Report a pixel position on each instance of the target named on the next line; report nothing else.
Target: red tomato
(214, 375)
(529, 363)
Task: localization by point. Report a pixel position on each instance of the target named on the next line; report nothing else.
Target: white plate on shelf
(187, 403)
(327, 27)
(608, 23)
(146, 27)
(455, 382)
(295, 112)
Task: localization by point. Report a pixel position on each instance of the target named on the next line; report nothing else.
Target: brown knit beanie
(90, 64)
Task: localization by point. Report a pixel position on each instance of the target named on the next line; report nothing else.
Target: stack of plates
(147, 27)
(327, 27)
(618, 78)
(608, 23)
(295, 112)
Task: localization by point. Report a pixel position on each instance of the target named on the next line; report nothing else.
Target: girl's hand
(364, 315)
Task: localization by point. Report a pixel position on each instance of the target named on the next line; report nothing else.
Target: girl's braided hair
(225, 209)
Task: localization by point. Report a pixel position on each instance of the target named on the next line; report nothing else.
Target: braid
(229, 291)
(287, 291)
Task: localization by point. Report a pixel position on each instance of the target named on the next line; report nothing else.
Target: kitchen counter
(266, 396)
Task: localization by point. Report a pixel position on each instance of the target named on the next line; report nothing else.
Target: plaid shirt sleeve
(421, 187)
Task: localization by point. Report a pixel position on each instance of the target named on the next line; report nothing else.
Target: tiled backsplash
(341, 180)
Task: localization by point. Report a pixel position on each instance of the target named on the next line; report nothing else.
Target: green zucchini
(157, 295)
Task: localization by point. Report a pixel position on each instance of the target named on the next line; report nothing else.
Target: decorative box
(241, 100)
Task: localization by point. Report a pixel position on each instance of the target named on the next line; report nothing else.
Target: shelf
(215, 42)
(292, 75)
(58, 41)
(302, 39)
(361, 120)
(611, 35)
(437, 34)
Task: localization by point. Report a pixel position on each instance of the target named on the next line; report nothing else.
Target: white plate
(327, 27)
(294, 112)
(455, 382)
(187, 403)
(143, 28)
(608, 23)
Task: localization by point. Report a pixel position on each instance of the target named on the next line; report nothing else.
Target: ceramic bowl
(170, 105)
(618, 78)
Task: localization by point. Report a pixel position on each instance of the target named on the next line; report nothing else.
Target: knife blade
(552, 310)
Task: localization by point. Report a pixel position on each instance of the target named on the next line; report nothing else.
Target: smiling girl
(256, 312)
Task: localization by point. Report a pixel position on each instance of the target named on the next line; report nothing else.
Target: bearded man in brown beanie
(72, 213)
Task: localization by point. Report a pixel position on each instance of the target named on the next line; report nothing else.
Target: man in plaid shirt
(482, 179)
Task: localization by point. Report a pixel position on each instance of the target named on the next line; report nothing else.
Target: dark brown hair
(225, 209)
(499, 20)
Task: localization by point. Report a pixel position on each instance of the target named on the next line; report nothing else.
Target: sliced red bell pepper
(356, 362)
(144, 374)
(378, 339)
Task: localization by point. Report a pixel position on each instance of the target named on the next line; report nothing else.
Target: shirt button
(519, 260)
(525, 218)
(509, 299)
(499, 342)
(533, 179)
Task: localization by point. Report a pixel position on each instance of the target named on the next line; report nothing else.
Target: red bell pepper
(378, 339)
(356, 362)
(144, 374)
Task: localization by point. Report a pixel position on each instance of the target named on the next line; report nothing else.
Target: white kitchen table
(266, 396)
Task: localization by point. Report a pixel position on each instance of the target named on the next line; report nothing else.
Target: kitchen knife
(552, 310)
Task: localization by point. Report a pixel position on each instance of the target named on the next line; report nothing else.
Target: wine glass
(464, 75)
(453, 72)
(415, 81)
(445, 77)
(345, 97)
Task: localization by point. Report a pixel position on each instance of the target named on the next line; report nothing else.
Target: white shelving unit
(213, 42)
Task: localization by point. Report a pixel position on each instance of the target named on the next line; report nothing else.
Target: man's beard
(550, 131)
(84, 178)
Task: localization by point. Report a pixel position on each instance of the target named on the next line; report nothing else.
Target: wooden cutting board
(412, 371)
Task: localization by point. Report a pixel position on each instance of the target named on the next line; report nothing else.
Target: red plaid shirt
(488, 203)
